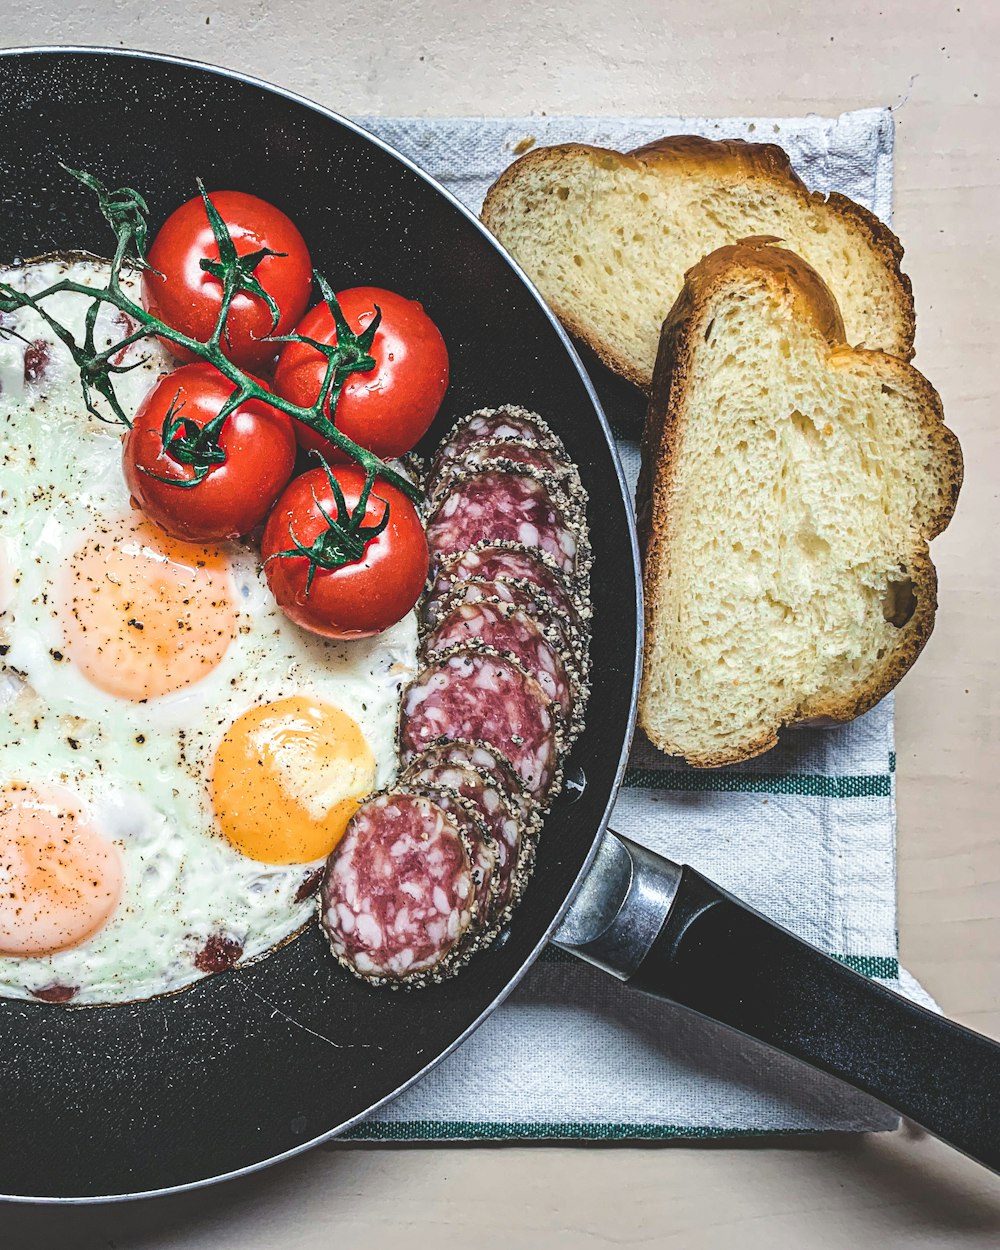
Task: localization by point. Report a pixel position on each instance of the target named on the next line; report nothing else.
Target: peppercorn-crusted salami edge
(509, 422)
(511, 631)
(486, 560)
(565, 735)
(521, 594)
(524, 507)
(565, 490)
(545, 455)
(508, 455)
(459, 672)
(494, 807)
(482, 847)
(414, 467)
(567, 495)
(571, 645)
(489, 761)
(579, 593)
(431, 837)
(523, 870)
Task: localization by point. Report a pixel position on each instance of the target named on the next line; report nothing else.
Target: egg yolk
(60, 880)
(144, 614)
(287, 777)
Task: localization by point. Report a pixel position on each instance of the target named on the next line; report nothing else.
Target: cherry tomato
(390, 407)
(233, 496)
(364, 595)
(188, 299)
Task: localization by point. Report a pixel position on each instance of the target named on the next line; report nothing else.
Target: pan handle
(669, 931)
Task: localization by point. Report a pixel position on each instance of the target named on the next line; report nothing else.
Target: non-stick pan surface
(261, 1061)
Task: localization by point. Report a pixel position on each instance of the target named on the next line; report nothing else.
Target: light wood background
(937, 64)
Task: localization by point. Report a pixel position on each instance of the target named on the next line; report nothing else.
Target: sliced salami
(500, 506)
(509, 563)
(476, 590)
(509, 456)
(494, 807)
(486, 698)
(398, 892)
(509, 630)
(491, 764)
(491, 425)
(478, 837)
(570, 644)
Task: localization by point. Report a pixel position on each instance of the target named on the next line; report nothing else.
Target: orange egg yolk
(60, 879)
(286, 779)
(144, 614)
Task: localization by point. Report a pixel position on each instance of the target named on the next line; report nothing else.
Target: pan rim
(261, 84)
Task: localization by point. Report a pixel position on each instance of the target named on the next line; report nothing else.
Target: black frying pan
(260, 1062)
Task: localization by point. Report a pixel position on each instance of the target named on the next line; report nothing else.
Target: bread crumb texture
(790, 485)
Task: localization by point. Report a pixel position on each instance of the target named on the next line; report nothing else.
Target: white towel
(806, 833)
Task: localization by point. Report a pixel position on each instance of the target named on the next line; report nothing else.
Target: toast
(789, 487)
(607, 237)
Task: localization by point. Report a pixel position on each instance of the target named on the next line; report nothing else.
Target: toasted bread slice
(607, 237)
(789, 487)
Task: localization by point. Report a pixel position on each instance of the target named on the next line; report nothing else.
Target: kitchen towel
(806, 833)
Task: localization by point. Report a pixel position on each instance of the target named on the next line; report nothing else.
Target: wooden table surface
(936, 63)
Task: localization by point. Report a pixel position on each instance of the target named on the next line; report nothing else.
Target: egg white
(140, 769)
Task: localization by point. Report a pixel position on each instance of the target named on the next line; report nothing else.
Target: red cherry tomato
(234, 496)
(362, 596)
(389, 408)
(188, 299)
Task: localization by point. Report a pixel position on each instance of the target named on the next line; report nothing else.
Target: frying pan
(260, 1062)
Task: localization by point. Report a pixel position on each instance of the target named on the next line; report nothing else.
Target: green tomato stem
(125, 210)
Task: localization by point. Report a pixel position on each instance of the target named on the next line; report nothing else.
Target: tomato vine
(127, 212)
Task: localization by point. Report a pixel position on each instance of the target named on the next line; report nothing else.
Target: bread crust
(764, 162)
(812, 299)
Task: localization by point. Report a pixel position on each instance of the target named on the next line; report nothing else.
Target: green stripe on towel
(882, 967)
(866, 786)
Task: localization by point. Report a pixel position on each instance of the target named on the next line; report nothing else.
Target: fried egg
(176, 757)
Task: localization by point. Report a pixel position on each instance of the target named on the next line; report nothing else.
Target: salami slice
(494, 807)
(548, 458)
(485, 698)
(499, 506)
(523, 869)
(490, 425)
(476, 590)
(509, 563)
(398, 892)
(570, 644)
(509, 630)
(511, 456)
(477, 835)
(491, 764)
